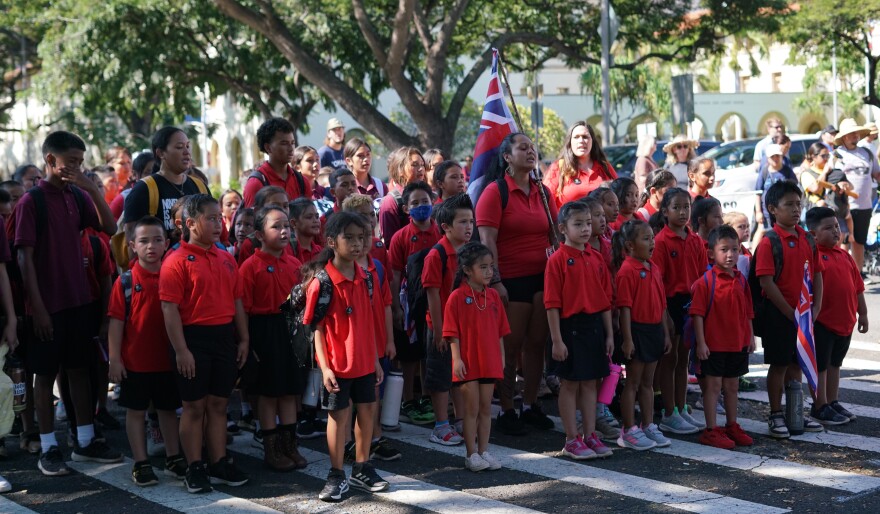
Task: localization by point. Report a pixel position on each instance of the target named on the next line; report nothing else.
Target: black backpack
(759, 302)
(257, 174)
(416, 296)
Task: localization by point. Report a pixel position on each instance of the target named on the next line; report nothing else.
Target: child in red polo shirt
(267, 278)
(834, 325)
(343, 183)
(681, 259)
(269, 196)
(456, 217)
(138, 351)
(201, 296)
(363, 205)
(775, 318)
(701, 177)
(421, 233)
(276, 137)
(473, 321)
(305, 224)
(627, 193)
(577, 295)
(740, 223)
(610, 204)
(598, 242)
(642, 303)
(656, 185)
(705, 216)
(346, 351)
(242, 227)
(722, 309)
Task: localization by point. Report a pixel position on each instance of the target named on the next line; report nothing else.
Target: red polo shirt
(410, 240)
(577, 282)
(842, 285)
(246, 250)
(304, 255)
(728, 327)
(523, 229)
(381, 299)
(795, 252)
(680, 260)
(104, 266)
(581, 186)
(348, 325)
(434, 275)
(203, 283)
(267, 280)
(641, 289)
(144, 339)
(478, 324)
(645, 212)
(290, 186)
(606, 251)
(380, 253)
(621, 219)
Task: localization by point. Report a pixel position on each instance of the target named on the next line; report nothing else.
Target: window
(776, 82)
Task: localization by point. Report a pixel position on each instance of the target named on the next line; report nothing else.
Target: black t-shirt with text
(137, 202)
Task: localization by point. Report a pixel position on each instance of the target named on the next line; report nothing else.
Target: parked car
(623, 157)
(734, 167)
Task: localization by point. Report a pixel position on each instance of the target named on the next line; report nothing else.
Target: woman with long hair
(679, 153)
(405, 166)
(581, 168)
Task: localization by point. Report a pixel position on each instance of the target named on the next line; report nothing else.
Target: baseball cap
(334, 123)
(829, 129)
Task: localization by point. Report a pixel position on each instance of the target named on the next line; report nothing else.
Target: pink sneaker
(595, 443)
(577, 449)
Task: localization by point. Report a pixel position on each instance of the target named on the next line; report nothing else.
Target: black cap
(829, 129)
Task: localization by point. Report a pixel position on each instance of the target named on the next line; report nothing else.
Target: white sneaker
(491, 460)
(653, 433)
(686, 415)
(5, 486)
(676, 424)
(476, 463)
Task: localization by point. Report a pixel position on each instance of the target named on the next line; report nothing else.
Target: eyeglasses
(681, 147)
(825, 155)
(777, 127)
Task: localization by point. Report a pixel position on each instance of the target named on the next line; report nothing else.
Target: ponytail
(627, 233)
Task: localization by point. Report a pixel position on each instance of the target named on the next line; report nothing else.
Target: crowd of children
(257, 291)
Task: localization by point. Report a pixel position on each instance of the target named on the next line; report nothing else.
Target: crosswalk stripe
(849, 364)
(858, 410)
(867, 384)
(8, 506)
(404, 489)
(864, 346)
(646, 489)
(174, 497)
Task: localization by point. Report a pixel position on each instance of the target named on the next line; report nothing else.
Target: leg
(471, 394)
(681, 373)
(191, 429)
(646, 393)
(43, 403)
(268, 411)
(169, 425)
(775, 386)
(286, 407)
(587, 402)
(534, 348)
(216, 429)
(363, 430)
(457, 402)
(858, 253)
(731, 388)
(81, 395)
(409, 377)
(567, 401)
(634, 374)
(832, 384)
(484, 425)
(336, 435)
(710, 398)
(137, 435)
(822, 388)
(440, 404)
(518, 313)
(666, 370)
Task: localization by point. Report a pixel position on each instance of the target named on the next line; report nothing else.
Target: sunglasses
(681, 147)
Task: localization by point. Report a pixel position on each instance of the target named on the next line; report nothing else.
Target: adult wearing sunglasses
(679, 153)
(774, 128)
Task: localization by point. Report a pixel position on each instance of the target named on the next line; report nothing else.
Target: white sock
(257, 424)
(47, 441)
(526, 406)
(245, 408)
(85, 434)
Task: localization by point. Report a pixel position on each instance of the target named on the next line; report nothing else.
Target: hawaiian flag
(806, 346)
(496, 124)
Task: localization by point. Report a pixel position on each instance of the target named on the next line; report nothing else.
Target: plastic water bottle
(391, 401)
(794, 407)
(15, 370)
(609, 384)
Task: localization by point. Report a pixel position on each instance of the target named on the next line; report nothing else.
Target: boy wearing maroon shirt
(139, 358)
(58, 296)
(277, 138)
(833, 328)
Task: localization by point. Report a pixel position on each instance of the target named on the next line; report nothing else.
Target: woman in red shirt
(581, 167)
(517, 234)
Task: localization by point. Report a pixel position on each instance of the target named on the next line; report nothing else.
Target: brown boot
(287, 444)
(274, 456)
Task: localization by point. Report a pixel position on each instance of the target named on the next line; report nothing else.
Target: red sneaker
(738, 435)
(716, 437)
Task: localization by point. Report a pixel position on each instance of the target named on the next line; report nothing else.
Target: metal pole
(26, 136)
(836, 119)
(605, 32)
(537, 115)
(205, 148)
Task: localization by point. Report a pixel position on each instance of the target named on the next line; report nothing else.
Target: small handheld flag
(806, 346)
(496, 124)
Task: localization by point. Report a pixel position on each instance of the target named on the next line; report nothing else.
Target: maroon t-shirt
(58, 258)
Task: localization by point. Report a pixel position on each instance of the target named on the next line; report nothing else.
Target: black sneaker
(810, 425)
(175, 466)
(383, 450)
(349, 453)
(827, 415)
(776, 426)
(224, 471)
(510, 424)
(107, 420)
(305, 429)
(364, 477)
(258, 439)
(747, 386)
(197, 480)
(52, 463)
(232, 427)
(142, 474)
(98, 451)
(535, 417)
(842, 410)
(335, 487)
(246, 422)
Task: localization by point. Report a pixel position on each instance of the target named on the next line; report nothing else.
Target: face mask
(420, 213)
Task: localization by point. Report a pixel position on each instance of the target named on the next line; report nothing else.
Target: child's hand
(609, 345)
(330, 383)
(458, 369)
(241, 353)
(667, 345)
(439, 343)
(117, 371)
(186, 364)
(380, 375)
(863, 324)
(752, 345)
(43, 326)
(10, 335)
(629, 348)
(560, 352)
(502, 292)
(702, 351)
(792, 315)
(390, 350)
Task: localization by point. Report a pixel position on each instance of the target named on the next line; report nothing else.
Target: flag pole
(554, 237)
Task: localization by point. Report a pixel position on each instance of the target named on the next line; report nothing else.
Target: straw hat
(668, 147)
(847, 127)
(872, 128)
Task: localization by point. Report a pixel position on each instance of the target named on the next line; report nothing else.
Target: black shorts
(73, 347)
(648, 339)
(278, 371)
(408, 350)
(584, 338)
(214, 348)
(831, 348)
(675, 305)
(861, 219)
(139, 389)
(523, 289)
(438, 367)
(481, 381)
(351, 390)
(779, 337)
(725, 364)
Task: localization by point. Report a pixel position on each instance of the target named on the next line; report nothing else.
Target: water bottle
(15, 370)
(391, 401)
(609, 384)
(794, 407)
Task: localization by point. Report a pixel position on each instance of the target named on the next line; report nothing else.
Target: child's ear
(259, 235)
(131, 248)
(167, 244)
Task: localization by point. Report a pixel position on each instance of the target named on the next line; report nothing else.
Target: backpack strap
(776, 249)
(257, 174)
(152, 195)
(39, 208)
(369, 280)
(300, 181)
(441, 251)
(97, 252)
(711, 291)
(380, 270)
(125, 280)
(203, 189)
(79, 199)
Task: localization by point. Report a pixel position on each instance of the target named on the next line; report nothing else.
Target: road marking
(858, 410)
(405, 490)
(8, 506)
(173, 497)
(645, 489)
(757, 370)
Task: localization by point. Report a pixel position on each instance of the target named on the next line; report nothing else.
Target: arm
(436, 312)
(489, 237)
(186, 363)
(560, 352)
(105, 217)
(700, 333)
(10, 333)
(458, 368)
(667, 329)
(321, 354)
(775, 296)
(241, 327)
(395, 299)
(818, 288)
(114, 338)
(390, 349)
(863, 314)
(626, 331)
(42, 321)
(609, 333)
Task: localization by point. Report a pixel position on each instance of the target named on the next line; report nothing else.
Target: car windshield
(731, 156)
(620, 156)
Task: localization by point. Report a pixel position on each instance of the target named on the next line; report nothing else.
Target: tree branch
(369, 32)
(422, 28)
(438, 53)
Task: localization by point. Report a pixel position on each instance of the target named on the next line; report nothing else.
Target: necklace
(175, 186)
(476, 298)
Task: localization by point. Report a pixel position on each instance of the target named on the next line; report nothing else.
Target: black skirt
(280, 373)
(648, 340)
(584, 338)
